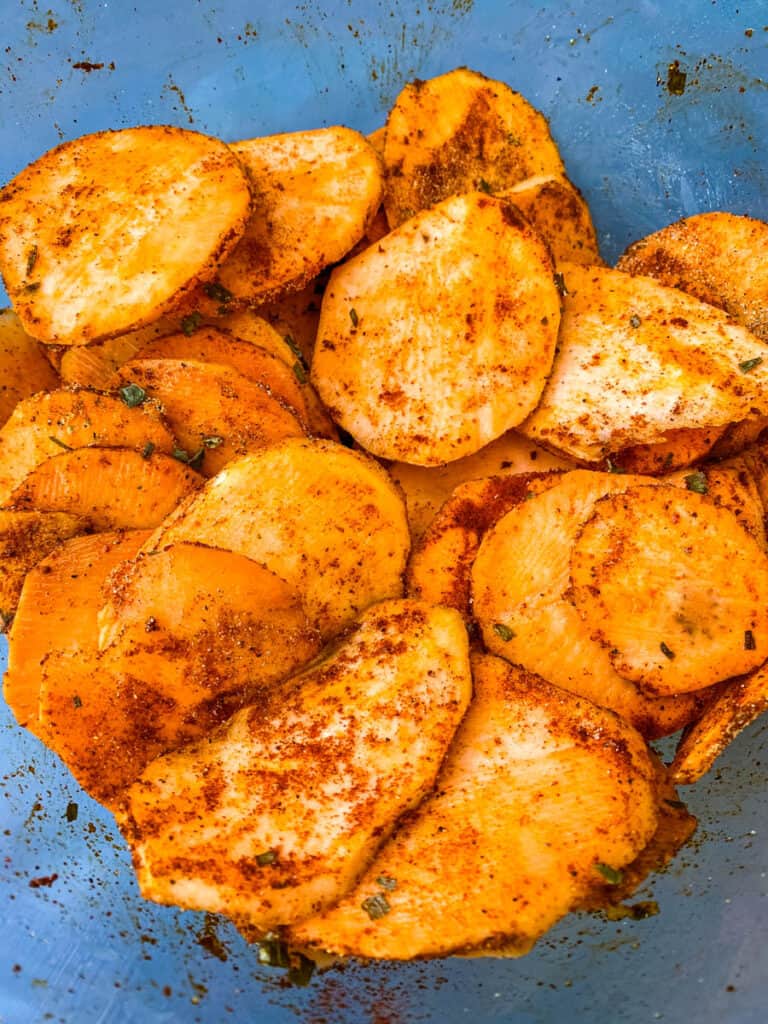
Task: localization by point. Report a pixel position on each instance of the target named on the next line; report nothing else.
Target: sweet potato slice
(275, 815)
(113, 488)
(107, 232)
(215, 412)
(673, 587)
(721, 258)
(637, 360)
(295, 316)
(438, 339)
(70, 577)
(560, 214)
(25, 539)
(729, 485)
(44, 424)
(680, 448)
(539, 793)
(24, 369)
(459, 132)
(520, 589)
(732, 710)
(327, 520)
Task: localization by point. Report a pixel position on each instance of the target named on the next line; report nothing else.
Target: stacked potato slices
(327, 687)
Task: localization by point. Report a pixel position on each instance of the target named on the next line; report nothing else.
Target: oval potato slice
(109, 231)
(438, 339)
(24, 369)
(560, 214)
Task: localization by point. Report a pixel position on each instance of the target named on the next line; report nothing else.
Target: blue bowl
(79, 945)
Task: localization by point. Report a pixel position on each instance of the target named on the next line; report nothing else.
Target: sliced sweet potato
(70, 577)
(94, 365)
(730, 485)
(256, 326)
(738, 436)
(439, 338)
(673, 587)
(44, 424)
(680, 448)
(215, 412)
(113, 488)
(141, 216)
(458, 132)
(637, 360)
(560, 214)
(327, 520)
(24, 369)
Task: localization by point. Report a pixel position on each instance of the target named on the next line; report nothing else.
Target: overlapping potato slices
(109, 231)
(557, 210)
(439, 338)
(24, 369)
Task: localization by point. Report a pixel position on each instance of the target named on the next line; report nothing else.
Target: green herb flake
(560, 283)
(266, 858)
(612, 875)
(354, 317)
(750, 364)
(299, 372)
(272, 952)
(387, 882)
(133, 395)
(483, 186)
(190, 323)
(301, 970)
(678, 805)
(31, 259)
(697, 482)
(288, 339)
(503, 631)
(376, 906)
(32, 286)
(148, 449)
(5, 620)
(76, 702)
(194, 461)
(214, 441)
(71, 812)
(218, 292)
(666, 651)
(61, 444)
(635, 321)
(749, 640)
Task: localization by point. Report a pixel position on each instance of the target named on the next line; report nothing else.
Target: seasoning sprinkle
(560, 283)
(666, 651)
(61, 444)
(272, 952)
(218, 292)
(612, 875)
(71, 812)
(148, 449)
(503, 631)
(387, 882)
(750, 364)
(76, 702)
(266, 858)
(749, 640)
(635, 321)
(697, 482)
(354, 317)
(376, 906)
(31, 259)
(483, 186)
(133, 395)
(190, 323)
(213, 442)
(299, 372)
(288, 339)
(301, 970)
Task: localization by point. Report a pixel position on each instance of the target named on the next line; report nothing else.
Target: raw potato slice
(57, 612)
(637, 360)
(438, 339)
(721, 258)
(732, 710)
(729, 485)
(327, 520)
(260, 328)
(560, 214)
(25, 539)
(105, 233)
(459, 132)
(24, 369)
(215, 412)
(427, 487)
(673, 586)
(681, 448)
(275, 816)
(520, 588)
(113, 488)
(41, 426)
(539, 790)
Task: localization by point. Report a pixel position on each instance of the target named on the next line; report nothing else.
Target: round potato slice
(673, 586)
(560, 214)
(439, 338)
(105, 233)
(24, 369)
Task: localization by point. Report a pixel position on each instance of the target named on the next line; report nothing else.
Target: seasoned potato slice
(274, 816)
(520, 592)
(113, 488)
(326, 519)
(439, 338)
(25, 539)
(732, 710)
(637, 360)
(681, 448)
(560, 214)
(286, 328)
(459, 132)
(673, 586)
(540, 792)
(24, 368)
(44, 424)
(215, 412)
(721, 258)
(730, 485)
(109, 231)
(69, 578)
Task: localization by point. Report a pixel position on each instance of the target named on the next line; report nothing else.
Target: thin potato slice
(215, 412)
(275, 816)
(295, 316)
(637, 360)
(438, 339)
(57, 612)
(24, 368)
(681, 448)
(560, 214)
(113, 488)
(732, 710)
(720, 258)
(539, 792)
(673, 586)
(109, 231)
(459, 132)
(44, 424)
(729, 485)
(327, 520)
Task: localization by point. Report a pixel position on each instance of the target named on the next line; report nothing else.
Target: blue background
(86, 948)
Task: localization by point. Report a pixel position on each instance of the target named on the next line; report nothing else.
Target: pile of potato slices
(361, 527)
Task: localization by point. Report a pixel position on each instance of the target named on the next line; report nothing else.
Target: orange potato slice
(730, 485)
(24, 368)
(680, 448)
(560, 214)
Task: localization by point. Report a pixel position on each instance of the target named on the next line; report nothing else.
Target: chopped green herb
(376, 906)
(287, 338)
(272, 952)
(133, 395)
(503, 631)
(635, 321)
(677, 804)
(76, 702)
(750, 364)
(301, 970)
(387, 882)
(354, 317)
(148, 449)
(5, 620)
(635, 911)
(611, 875)
(61, 444)
(71, 812)
(697, 482)
(560, 283)
(190, 323)
(266, 858)
(218, 292)
(31, 259)
(213, 442)
(749, 640)
(299, 372)
(483, 186)
(194, 461)
(666, 651)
